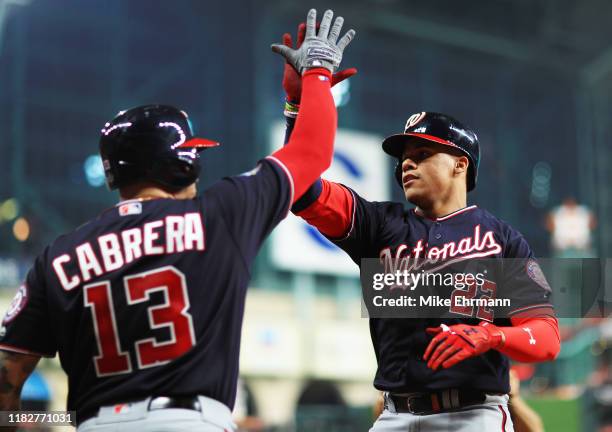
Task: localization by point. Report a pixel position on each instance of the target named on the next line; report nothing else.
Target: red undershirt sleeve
(310, 149)
(333, 212)
(531, 339)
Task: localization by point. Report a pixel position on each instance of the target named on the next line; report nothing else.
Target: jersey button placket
(434, 232)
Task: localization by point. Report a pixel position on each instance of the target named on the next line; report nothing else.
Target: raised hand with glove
(320, 49)
(316, 59)
(292, 81)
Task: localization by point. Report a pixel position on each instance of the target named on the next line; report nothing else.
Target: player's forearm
(313, 192)
(531, 340)
(9, 400)
(10, 391)
(15, 368)
(8, 403)
(310, 147)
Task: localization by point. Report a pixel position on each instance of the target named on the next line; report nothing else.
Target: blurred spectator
(321, 408)
(570, 225)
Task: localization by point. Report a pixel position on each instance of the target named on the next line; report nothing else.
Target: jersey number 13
(171, 314)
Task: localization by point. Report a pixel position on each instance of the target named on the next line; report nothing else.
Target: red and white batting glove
(292, 81)
(452, 344)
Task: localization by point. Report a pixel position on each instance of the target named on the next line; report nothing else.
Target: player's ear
(461, 164)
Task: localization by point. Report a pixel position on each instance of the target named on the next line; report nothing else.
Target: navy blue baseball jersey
(148, 298)
(400, 239)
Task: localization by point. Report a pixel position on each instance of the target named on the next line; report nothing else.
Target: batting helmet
(441, 129)
(153, 143)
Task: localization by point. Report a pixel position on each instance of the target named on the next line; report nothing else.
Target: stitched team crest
(17, 305)
(534, 271)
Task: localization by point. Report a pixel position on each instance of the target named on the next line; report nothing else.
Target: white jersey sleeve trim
(289, 177)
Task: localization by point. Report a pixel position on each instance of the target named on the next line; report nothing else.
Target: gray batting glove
(318, 50)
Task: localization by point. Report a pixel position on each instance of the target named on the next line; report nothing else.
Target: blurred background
(532, 77)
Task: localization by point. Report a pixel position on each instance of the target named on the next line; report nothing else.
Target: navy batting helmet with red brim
(441, 129)
(154, 143)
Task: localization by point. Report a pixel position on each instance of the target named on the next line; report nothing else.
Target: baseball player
(437, 374)
(144, 303)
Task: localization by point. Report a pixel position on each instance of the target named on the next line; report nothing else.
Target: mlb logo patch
(130, 209)
(121, 408)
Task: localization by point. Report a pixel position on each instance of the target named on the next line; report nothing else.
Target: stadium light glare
(94, 171)
(341, 93)
(540, 184)
(21, 229)
(9, 209)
